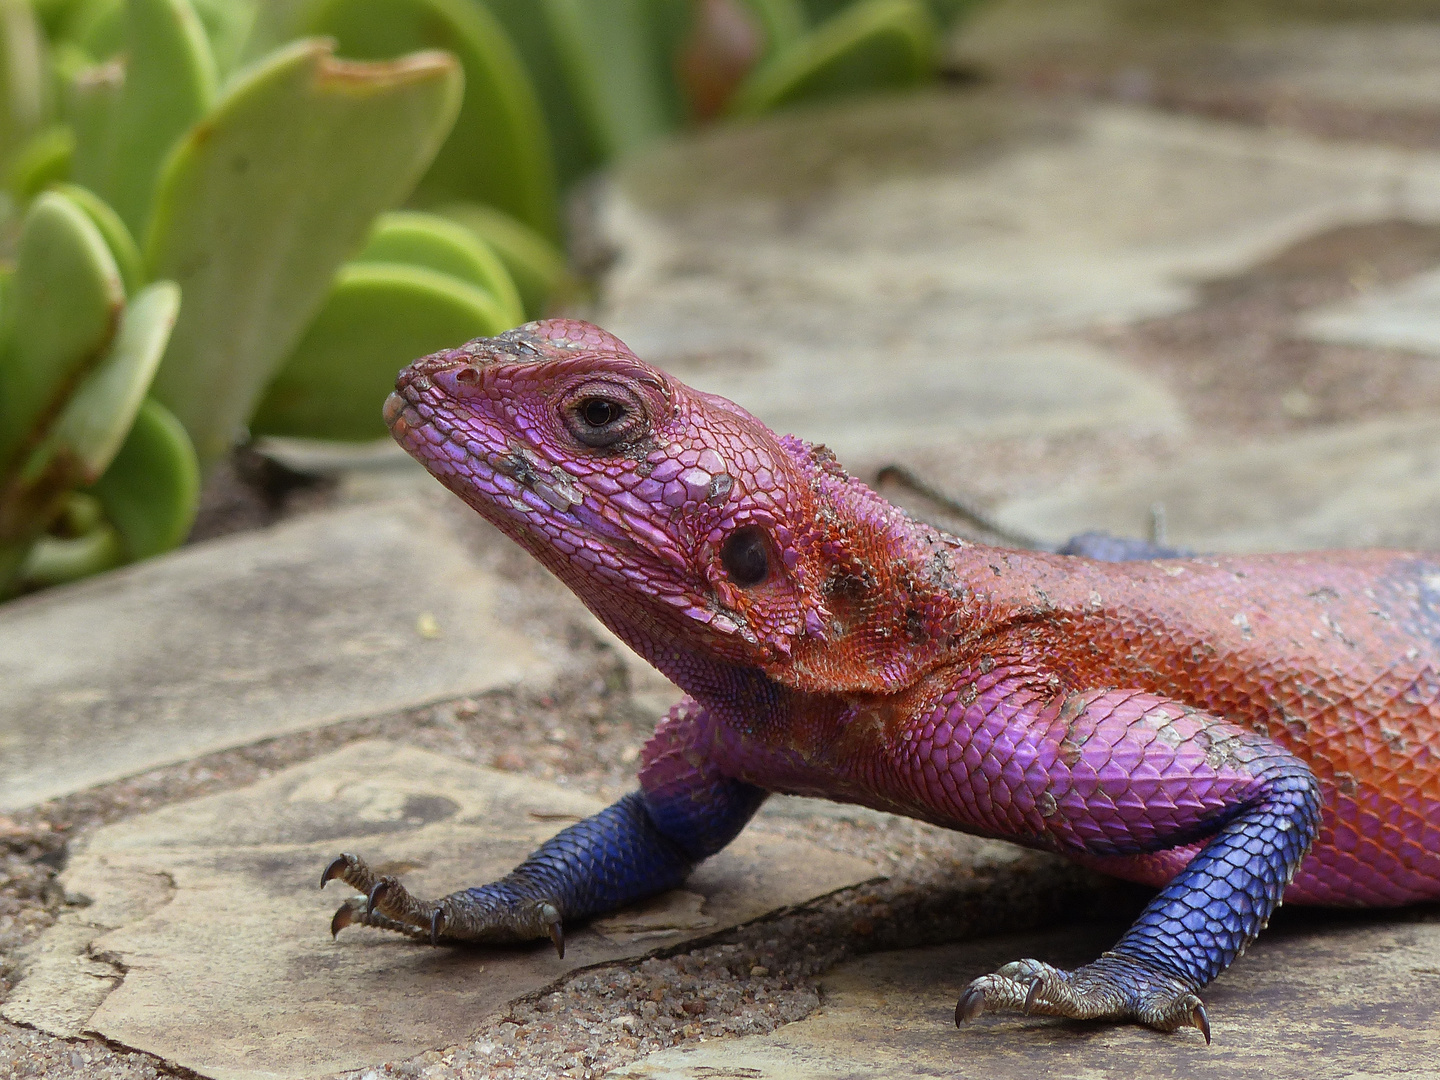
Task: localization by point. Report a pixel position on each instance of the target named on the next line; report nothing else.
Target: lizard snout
(391, 410)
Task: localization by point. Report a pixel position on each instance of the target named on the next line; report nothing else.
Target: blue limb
(646, 843)
(1193, 929)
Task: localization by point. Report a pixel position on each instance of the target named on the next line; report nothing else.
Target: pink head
(683, 522)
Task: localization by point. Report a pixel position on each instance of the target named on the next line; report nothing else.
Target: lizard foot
(1114, 987)
(489, 914)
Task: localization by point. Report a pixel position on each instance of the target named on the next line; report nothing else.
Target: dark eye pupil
(744, 557)
(598, 412)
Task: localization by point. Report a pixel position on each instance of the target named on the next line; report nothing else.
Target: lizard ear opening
(745, 555)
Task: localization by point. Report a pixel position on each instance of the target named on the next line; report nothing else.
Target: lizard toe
(384, 903)
(1114, 987)
(350, 869)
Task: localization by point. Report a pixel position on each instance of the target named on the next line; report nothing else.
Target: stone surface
(914, 272)
(1295, 58)
(1405, 316)
(1386, 65)
(338, 614)
(1319, 998)
(206, 941)
(1366, 485)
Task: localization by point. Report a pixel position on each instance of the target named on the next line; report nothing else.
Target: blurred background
(1159, 269)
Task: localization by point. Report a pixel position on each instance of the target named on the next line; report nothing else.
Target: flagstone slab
(1375, 484)
(912, 272)
(1378, 56)
(1316, 998)
(1403, 316)
(206, 942)
(338, 614)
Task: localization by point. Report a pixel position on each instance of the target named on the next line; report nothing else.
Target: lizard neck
(896, 598)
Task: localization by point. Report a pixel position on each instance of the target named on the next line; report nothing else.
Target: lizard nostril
(469, 375)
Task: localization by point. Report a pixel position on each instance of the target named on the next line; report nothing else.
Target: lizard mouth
(392, 411)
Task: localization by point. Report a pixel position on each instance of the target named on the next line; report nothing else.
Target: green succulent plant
(198, 233)
(84, 456)
(125, 367)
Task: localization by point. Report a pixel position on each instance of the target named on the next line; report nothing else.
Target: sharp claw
(437, 923)
(971, 1002)
(557, 935)
(1201, 1020)
(343, 918)
(1031, 995)
(334, 870)
(377, 893)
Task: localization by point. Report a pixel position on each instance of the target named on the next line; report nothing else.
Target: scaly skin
(1226, 729)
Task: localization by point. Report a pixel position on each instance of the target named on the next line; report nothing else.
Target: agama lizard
(1227, 730)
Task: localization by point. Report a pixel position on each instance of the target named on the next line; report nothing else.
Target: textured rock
(1405, 316)
(1318, 997)
(334, 615)
(1301, 60)
(205, 940)
(906, 274)
(1364, 485)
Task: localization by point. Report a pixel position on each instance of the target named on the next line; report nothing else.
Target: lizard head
(689, 527)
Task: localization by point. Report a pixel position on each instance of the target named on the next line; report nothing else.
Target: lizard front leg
(646, 843)
(1111, 776)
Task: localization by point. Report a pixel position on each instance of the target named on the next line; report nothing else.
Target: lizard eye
(745, 557)
(603, 415)
(599, 413)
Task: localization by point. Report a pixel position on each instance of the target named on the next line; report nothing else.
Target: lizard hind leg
(1193, 929)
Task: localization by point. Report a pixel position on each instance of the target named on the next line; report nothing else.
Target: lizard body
(1225, 729)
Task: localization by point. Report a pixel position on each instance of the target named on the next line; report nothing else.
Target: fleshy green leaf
(228, 24)
(872, 45)
(380, 316)
(667, 24)
(91, 104)
(117, 236)
(169, 84)
(439, 244)
(618, 83)
(101, 411)
(819, 10)
(67, 298)
(575, 153)
(98, 27)
(151, 490)
(55, 561)
(81, 444)
(535, 265)
(23, 75)
(263, 200)
(66, 61)
(45, 158)
(499, 151)
(52, 13)
(81, 516)
(784, 21)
